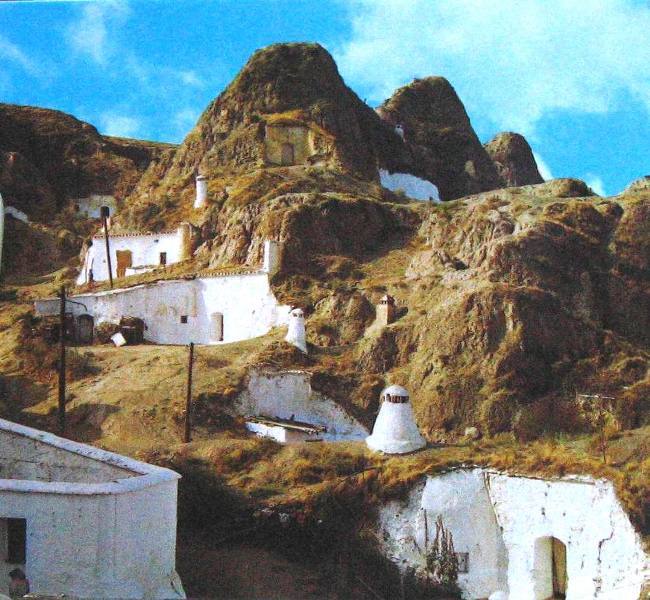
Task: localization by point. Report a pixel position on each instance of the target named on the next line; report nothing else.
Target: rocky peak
(513, 159)
(439, 132)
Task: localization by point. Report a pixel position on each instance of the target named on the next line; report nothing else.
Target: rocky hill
(48, 157)
(510, 300)
(513, 159)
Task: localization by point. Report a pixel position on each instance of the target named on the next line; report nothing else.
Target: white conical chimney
(395, 430)
(296, 333)
(201, 191)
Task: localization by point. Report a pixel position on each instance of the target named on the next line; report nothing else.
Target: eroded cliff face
(515, 303)
(48, 157)
(439, 134)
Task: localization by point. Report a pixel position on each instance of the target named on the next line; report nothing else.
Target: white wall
(412, 186)
(246, 301)
(604, 555)
(286, 393)
(26, 458)
(99, 546)
(91, 206)
(499, 519)
(146, 249)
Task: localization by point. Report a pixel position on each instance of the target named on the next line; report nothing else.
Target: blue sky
(574, 77)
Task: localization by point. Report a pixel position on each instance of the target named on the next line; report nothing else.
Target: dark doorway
(163, 258)
(287, 156)
(16, 541)
(85, 328)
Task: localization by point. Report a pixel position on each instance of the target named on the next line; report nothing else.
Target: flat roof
(143, 474)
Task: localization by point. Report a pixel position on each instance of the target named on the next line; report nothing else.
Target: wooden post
(108, 247)
(62, 362)
(188, 400)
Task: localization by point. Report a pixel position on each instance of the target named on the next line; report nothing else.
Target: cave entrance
(287, 156)
(550, 569)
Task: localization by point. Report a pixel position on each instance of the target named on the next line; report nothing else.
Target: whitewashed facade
(91, 206)
(288, 394)
(205, 310)
(506, 526)
(143, 251)
(93, 524)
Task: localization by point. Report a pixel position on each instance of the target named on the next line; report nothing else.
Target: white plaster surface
(395, 430)
(500, 519)
(288, 393)
(99, 525)
(414, 187)
(248, 305)
(296, 330)
(92, 205)
(201, 192)
(280, 434)
(145, 249)
(17, 214)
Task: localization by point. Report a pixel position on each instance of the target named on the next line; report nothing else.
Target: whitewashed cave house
(520, 537)
(218, 307)
(83, 522)
(134, 253)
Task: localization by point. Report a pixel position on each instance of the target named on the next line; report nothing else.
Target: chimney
(201, 191)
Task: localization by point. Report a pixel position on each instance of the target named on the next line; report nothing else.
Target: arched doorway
(287, 157)
(85, 328)
(550, 569)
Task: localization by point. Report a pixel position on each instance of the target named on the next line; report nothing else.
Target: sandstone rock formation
(513, 159)
(440, 136)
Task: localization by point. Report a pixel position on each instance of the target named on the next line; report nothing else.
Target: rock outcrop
(513, 159)
(439, 134)
(48, 157)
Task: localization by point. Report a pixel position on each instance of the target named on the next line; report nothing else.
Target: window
(163, 258)
(16, 540)
(463, 562)
(183, 318)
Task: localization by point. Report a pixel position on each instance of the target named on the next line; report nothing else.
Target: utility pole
(188, 400)
(62, 362)
(108, 247)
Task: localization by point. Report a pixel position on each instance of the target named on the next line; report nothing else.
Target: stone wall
(300, 138)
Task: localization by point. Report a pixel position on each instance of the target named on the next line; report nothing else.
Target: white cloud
(13, 53)
(595, 183)
(512, 62)
(90, 33)
(111, 123)
(185, 119)
(543, 168)
(191, 78)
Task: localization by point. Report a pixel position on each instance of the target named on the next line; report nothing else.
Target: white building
(201, 191)
(395, 430)
(207, 310)
(133, 253)
(526, 537)
(288, 395)
(91, 206)
(85, 522)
